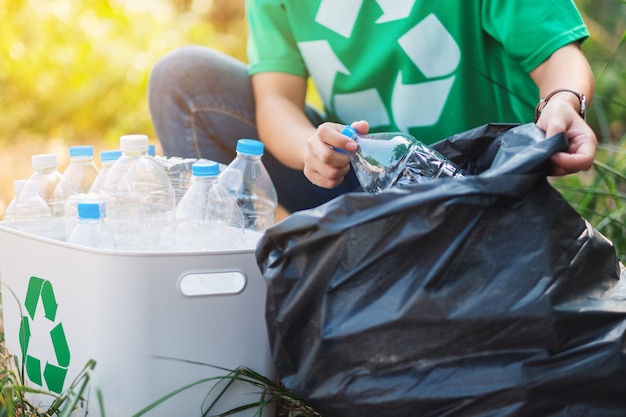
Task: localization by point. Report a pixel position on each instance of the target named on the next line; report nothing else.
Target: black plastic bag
(482, 296)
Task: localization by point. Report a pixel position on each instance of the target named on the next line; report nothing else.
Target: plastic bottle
(387, 159)
(107, 159)
(31, 213)
(9, 219)
(139, 197)
(207, 216)
(91, 230)
(81, 171)
(247, 180)
(71, 209)
(179, 172)
(53, 189)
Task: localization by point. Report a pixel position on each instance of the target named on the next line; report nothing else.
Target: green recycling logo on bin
(52, 373)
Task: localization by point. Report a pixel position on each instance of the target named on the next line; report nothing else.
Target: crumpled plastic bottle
(392, 159)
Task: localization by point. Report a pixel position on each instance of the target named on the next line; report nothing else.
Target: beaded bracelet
(582, 110)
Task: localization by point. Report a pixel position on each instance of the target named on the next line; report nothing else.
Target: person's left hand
(559, 116)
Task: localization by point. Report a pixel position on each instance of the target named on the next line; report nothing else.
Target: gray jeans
(201, 103)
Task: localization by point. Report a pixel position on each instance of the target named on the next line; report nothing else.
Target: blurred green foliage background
(78, 70)
(606, 51)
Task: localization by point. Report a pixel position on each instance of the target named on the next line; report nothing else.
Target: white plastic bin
(131, 312)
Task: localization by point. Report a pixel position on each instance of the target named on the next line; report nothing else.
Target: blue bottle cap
(89, 210)
(151, 150)
(250, 146)
(205, 168)
(86, 150)
(110, 155)
(349, 131)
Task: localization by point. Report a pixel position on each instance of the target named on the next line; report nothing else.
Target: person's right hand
(324, 165)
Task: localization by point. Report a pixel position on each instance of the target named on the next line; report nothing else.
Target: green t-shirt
(430, 68)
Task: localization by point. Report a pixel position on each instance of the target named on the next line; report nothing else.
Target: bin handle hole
(212, 283)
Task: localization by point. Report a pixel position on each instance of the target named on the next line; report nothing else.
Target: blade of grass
(270, 391)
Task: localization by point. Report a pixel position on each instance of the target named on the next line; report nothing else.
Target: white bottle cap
(134, 143)
(45, 160)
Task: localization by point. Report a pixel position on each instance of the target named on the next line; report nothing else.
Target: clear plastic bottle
(194, 202)
(107, 159)
(139, 197)
(387, 159)
(53, 189)
(247, 180)
(91, 230)
(71, 209)
(207, 216)
(9, 219)
(179, 171)
(81, 171)
(30, 213)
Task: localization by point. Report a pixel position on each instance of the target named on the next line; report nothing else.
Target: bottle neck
(204, 179)
(248, 157)
(45, 170)
(81, 159)
(89, 220)
(135, 154)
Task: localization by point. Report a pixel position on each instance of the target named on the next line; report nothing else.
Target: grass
(600, 194)
(14, 393)
(287, 403)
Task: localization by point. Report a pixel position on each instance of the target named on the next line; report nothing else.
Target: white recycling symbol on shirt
(412, 105)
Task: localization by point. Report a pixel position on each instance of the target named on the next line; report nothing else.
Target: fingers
(582, 140)
(566, 163)
(361, 126)
(330, 134)
(324, 166)
(580, 154)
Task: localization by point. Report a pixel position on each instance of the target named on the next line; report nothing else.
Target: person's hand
(559, 116)
(324, 165)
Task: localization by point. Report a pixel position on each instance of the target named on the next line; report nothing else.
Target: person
(431, 69)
